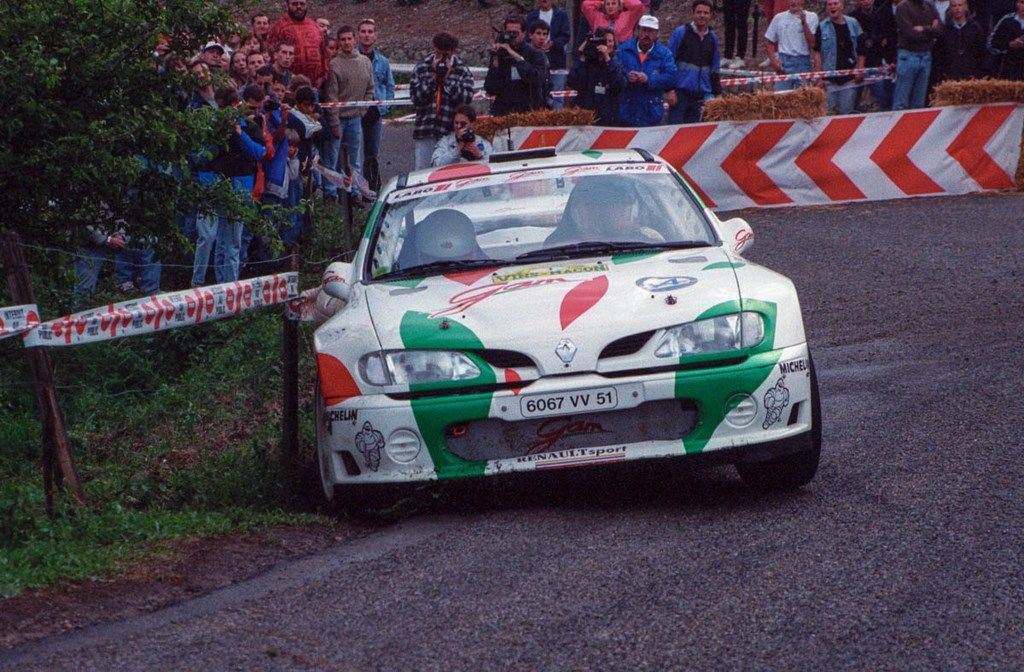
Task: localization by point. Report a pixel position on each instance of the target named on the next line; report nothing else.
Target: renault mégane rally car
(544, 311)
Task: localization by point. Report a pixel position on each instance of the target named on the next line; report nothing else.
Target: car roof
(516, 161)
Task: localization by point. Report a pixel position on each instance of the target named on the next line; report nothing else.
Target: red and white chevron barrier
(883, 155)
(165, 311)
(18, 319)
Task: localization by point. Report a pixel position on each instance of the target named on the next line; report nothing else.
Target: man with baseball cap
(650, 72)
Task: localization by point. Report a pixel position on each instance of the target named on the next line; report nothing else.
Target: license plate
(567, 403)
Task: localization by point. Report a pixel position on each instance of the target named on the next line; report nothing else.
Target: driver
(601, 209)
(443, 235)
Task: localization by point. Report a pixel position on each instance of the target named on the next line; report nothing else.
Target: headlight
(409, 367)
(717, 334)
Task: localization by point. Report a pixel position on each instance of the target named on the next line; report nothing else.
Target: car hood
(529, 309)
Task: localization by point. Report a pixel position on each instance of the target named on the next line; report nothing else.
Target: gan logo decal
(550, 432)
(565, 350)
(369, 443)
(470, 297)
(775, 400)
(665, 284)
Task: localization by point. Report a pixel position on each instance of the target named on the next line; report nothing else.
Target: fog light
(743, 410)
(403, 446)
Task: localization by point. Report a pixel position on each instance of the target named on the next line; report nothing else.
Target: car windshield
(534, 215)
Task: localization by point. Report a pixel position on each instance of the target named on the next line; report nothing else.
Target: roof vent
(523, 155)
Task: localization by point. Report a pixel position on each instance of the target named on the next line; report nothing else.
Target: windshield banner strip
(403, 195)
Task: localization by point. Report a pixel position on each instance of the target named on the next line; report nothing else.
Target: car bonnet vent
(628, 345)
(505, 359)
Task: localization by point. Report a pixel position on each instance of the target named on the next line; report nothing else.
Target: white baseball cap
(648, 21)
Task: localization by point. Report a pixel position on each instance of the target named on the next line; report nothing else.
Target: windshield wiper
(443, 266)
(597, 247)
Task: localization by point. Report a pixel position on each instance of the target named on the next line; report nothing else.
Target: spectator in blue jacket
(650, 72)
(558, 42)
(383, 89)
(237, 164)
(694, 46)
(598, 78)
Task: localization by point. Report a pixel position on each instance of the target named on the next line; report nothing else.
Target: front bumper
(759, 401)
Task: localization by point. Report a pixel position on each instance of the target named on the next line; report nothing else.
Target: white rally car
(545, 311)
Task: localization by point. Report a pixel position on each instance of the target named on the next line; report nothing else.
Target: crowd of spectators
(283, 75)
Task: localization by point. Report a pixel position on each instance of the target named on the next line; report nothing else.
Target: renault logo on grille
(565, 350)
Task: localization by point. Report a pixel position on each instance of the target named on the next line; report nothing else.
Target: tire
(322, 459)
(800, 463)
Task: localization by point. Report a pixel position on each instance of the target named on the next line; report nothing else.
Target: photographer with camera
(598, 77)
(463, 144)
(517, 73)
(440, 83)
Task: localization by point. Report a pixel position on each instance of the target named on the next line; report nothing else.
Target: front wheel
(800, 463)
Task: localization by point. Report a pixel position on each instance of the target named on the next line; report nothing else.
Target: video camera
(594, 40)
(441, 68)
(467, 136)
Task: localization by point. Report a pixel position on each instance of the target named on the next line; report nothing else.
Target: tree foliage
(83, 102)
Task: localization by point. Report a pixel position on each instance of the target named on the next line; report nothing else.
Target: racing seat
(443, 235)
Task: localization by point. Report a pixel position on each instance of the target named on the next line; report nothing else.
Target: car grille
(629, 345)
(494, 438)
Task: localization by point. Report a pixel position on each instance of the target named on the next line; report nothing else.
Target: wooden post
(290, 391)
(56, 446)
(349, 232)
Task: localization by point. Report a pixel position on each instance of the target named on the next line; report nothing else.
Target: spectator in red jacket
(308, 38)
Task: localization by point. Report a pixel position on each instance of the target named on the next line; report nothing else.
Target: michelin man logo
(369, 442)
(775, 399)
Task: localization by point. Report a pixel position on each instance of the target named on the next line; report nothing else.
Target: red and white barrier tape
(18, 319)
(165, 311)
(805, 76)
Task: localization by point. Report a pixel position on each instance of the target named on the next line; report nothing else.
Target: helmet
(446, 234)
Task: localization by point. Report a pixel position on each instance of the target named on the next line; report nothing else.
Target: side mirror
(335, 283)
(737, 235)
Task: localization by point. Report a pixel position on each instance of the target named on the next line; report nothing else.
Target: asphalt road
(903, 553)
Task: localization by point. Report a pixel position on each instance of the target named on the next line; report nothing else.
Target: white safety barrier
(18, 319)
(165, 311)
(883, 155)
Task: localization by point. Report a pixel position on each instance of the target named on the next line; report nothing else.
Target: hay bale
(807, 102)
(569, 116)
(978, 92)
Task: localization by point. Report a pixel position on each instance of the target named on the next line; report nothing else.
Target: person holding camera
(440, 83)
(463, 144)
(598, 78)
(517, 73)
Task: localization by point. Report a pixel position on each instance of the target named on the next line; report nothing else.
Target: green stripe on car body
(712, 389)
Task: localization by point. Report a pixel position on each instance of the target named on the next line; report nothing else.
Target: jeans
(373, 129)
(688, 109)
(135, 265)
(351, 135)
(558, 84)
(227, 235)
(329, 150)
(882, 92)
(840, 98)
(424, 148)
(912, 68)
(735, 16)
(793, 65)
